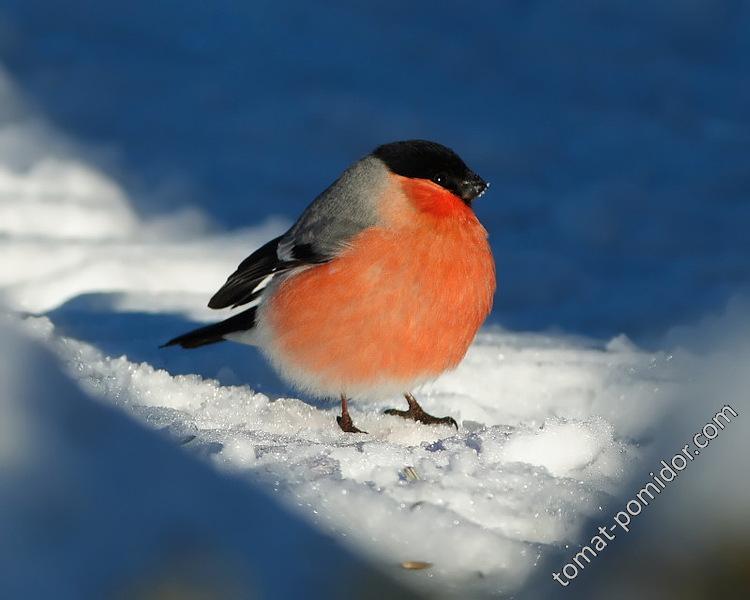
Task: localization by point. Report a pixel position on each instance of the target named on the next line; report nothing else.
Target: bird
(379, 286)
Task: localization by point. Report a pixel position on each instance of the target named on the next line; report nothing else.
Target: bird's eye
(439, 178)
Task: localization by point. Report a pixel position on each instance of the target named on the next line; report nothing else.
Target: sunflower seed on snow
(415, 565)
(411, 474)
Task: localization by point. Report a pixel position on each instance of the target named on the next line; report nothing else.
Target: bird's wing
(322, 232)
(257, 270)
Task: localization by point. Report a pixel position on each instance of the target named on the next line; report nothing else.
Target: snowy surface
(94, 506)
(592, 235)
(519, 477)
(695, 540)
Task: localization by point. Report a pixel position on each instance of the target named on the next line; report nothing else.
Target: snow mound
(565, 448)
(62, 199)
(484, 505)
(67, 228)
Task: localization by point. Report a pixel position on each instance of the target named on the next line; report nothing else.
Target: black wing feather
(240, 287)
(210, 334)
(251, 271)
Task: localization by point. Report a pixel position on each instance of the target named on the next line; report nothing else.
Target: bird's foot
(346, 424)
(418, 414)
(422, 417)
(345, 421)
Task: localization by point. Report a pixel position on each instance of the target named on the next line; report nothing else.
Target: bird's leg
(417, 413)
(345, 421)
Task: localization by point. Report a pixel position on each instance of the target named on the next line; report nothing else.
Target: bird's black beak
(472, 188)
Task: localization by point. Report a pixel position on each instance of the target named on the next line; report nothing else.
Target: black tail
(210, 334)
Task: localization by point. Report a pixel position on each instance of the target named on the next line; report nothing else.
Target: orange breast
(400, 306)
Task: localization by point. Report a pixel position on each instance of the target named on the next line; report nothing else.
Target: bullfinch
(378, 287)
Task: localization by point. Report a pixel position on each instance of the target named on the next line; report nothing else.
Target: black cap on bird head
(422, 159)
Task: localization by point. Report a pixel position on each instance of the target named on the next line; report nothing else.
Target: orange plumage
(399, 306)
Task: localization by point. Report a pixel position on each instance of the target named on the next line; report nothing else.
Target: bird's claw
(422, 417)
(346, 424)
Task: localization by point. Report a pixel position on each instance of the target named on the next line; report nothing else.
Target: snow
(77, 228)
(564, 448)
(692, 539)
(488, 500)
(111, 449)
(94, 506)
